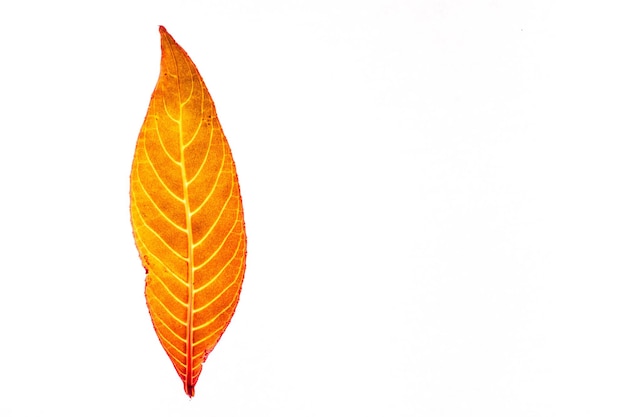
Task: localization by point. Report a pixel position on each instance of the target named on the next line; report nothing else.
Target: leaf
(187, 215)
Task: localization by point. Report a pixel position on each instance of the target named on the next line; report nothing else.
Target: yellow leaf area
(187, 215)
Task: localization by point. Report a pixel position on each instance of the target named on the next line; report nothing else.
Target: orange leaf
(187, 215)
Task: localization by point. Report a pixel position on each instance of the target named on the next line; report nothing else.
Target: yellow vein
(158, 133)
(158, 176)
(217, 219)
(181, 302)
(170, 347)
(182, 365)
(206, 157)
(237, 275)
(210, 303)
(219, 174)
(207, 337)
(198, 366)
(235, 253)
(168, 310)
(235, 223)
(203, 264)
(195, 133)
(197, 356)
(193, 137)
(147, 226)
(163, 336)
(153, 257)
(196, 343)
(190, 274)
(159, 209)
(194, 73)
(175, 120)
(172, 273)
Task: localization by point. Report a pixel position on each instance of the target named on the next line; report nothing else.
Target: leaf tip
(166, 38)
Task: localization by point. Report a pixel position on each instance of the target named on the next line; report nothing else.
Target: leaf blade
(187, 215)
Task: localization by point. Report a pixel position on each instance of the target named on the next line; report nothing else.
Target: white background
(434, 192)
